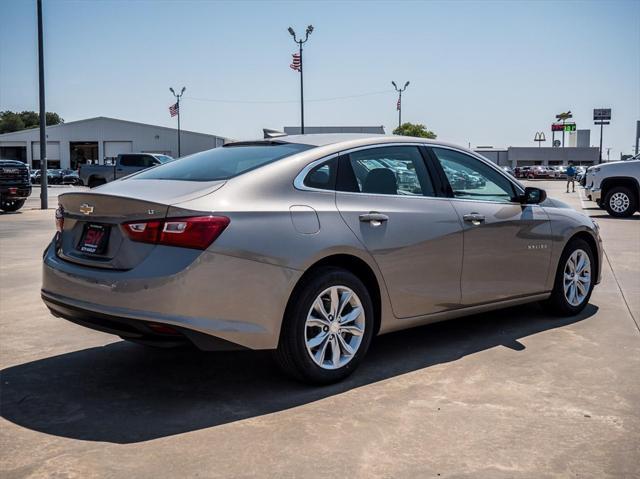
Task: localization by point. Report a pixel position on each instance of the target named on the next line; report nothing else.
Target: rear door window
(389, 170)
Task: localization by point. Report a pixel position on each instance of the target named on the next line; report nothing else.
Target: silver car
(312, 245)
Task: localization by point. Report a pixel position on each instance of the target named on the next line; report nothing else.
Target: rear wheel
(327, 327)
(11, 205)
(620, 202)
(574, 281)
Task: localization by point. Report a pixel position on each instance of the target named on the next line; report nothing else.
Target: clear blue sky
(488, 73)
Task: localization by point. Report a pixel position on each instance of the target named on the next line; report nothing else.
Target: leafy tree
(12, 121)
(414, 129)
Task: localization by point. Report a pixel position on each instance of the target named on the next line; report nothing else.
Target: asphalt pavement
(507, 394)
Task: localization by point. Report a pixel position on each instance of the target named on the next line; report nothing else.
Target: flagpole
(178, 96)
(301, 92)
(399, 106)
(300, 43)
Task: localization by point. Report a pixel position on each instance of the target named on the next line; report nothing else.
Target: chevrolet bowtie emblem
(86, 209)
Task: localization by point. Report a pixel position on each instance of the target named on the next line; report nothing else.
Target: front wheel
(11, 205)
(620, 202)
(574, 281)
(327, 327)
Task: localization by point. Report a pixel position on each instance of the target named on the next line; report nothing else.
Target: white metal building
(95, 139)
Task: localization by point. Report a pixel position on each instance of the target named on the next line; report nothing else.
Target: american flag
(174, 109)
(296, 64)
(398, 105)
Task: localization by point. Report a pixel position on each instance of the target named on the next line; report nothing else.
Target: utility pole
(297, 65)
(178, 96)
(44, 198)
(399, 104)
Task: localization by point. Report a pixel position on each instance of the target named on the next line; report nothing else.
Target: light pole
(300, 42)
(178, 96)
(399, 105)
(44, 200)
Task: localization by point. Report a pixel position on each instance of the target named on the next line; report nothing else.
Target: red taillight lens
(59, 218)
(196, 232)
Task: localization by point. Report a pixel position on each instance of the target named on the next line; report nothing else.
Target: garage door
(115, 148)
(53, 150)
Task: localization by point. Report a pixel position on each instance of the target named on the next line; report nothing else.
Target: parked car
(615, 186)
(310, 245)
(72, 177)
(125, 164)
(508, 170)
(15, 185)
(539, 172)
(522, 171)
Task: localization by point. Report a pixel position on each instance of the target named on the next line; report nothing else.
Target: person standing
(571, 177)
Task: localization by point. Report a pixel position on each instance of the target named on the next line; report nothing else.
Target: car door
(507, 245)
(386, 196)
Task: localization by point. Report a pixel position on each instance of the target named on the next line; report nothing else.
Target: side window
(471, 179)
(389, 170)
(149, 161)
(131, 160)
(322, 176)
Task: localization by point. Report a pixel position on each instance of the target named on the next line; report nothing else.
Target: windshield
(163, 158)
(221, 163)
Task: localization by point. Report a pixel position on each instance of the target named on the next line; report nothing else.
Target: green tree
(414, 129)
(10, 121)
(13, 121)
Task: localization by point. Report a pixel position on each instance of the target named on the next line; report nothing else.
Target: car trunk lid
(92, 234)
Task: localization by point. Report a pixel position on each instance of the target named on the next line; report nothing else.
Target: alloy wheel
(334, 327)
(619, 202)
(577, 277)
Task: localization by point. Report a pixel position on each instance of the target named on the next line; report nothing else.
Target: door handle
(474, 218)
(374, 218)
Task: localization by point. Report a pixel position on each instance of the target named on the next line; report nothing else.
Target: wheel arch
(354, 265)
(614, 181)
(593, 244)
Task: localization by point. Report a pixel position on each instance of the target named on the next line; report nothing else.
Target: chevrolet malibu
(312, 245)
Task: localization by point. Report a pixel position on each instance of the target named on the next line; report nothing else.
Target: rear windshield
(221, 163)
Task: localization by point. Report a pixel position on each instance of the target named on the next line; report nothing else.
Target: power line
(268, 102)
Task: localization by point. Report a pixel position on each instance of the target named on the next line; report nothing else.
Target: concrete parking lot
(508, 394)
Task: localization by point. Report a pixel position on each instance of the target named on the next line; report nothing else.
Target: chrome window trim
(299, 179)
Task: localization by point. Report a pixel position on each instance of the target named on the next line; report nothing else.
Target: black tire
(557, 303)
(11, 205)
(615, 196)
(292, 355)
(93, 182)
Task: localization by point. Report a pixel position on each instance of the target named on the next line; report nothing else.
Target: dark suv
(15, 185)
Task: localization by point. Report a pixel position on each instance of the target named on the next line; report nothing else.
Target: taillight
(59, 218)
(196, 232)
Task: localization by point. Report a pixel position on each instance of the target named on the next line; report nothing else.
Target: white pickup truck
(615, 186)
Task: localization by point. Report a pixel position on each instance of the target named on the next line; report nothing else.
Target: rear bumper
(16, 192)
(237, 300)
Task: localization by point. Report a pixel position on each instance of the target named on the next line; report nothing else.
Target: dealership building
(95, 140)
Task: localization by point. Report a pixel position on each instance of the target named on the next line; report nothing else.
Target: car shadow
(124, 393)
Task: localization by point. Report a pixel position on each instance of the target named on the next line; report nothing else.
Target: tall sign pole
(399, 105)
(601, 116)
(563, 117)
(297, 65)
(178, 96)
(44, 199)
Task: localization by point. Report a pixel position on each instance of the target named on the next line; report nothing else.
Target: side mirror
(533, 196)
